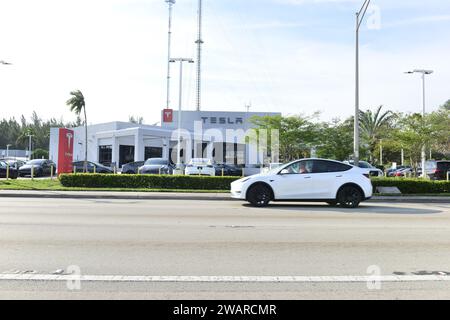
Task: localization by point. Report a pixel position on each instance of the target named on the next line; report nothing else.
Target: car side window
(321, 166)
(301, 167)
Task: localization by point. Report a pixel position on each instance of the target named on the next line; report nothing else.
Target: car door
(327, 176)
(45, 168)
(294, 182)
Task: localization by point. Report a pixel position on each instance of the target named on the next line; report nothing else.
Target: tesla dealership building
(118, 143)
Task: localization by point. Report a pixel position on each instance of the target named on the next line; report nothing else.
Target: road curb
(180, 196)
(117, 196)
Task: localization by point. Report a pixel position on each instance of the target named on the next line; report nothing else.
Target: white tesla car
(200, 167)
(307, 180)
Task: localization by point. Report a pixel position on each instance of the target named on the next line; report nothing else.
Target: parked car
(99, 168)
(132, 168)
(437, 170)
(307, 180)
(392, 171)
(405, 172)
(157, 166)
(14, 163)
(200, 167)
(13, 173)
(374, 172)
(228, 170)
(41, 168)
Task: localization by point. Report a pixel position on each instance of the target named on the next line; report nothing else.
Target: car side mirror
(284, 171)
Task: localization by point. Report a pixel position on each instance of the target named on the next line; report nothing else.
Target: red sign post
(65, 151)
(168, 115)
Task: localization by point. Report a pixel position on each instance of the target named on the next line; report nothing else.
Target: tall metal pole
(359, 19)
(171, 3)
(423, 152)
(7, 149)
(180, 103)
(29, 146)
(199, 43)
(356, 122)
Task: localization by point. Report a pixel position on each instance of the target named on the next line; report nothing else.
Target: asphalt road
(218, 239)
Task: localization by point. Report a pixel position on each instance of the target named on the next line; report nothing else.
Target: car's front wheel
(350, 197)
(259, 195)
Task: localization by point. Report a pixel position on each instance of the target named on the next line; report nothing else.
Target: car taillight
(366, 175)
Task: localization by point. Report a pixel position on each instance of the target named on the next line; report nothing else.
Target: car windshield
(36, 162)
(2, 164)
(160, 162)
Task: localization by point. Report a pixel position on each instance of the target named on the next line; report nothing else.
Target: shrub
(146, 181)
(413, 186)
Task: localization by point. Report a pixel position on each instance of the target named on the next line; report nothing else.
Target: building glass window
(126, 155)
(105, 155)
(153, 152)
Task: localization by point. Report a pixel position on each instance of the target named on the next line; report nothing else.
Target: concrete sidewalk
(179, 195)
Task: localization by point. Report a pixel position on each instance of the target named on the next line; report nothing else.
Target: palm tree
(77, 105)
(372, 126)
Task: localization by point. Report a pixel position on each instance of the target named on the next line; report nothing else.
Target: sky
(289, 56)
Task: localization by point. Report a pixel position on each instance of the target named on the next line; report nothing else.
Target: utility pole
(199, 43)
(180, 103)
(359, 19)
(424, 73)
(29, 146)
(7, 149)
(170, 3)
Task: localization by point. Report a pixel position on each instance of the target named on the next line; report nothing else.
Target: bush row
(413, 186)
(146, 181)
(406, 186)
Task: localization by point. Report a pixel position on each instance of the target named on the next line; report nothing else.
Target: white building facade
(118, 143)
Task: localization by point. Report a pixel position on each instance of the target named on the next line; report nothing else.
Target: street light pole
(359, 19)
(423, 73)
(7, 149)
(29, 146)
(170, 3)
(180, 103)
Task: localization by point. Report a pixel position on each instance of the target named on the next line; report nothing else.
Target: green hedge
(413, 186)
(406, 186)
(146, 181)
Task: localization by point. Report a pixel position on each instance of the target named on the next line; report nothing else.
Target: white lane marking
(239, 279)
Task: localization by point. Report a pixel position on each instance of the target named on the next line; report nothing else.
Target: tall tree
(77, 105)
(373, 127)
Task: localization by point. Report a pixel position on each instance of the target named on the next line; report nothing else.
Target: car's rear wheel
(350, 197)
(259, 195)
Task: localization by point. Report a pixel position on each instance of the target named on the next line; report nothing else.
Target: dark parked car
(41, 168)
(437, 170)
(4, 168)
(228, 170)
(132, 168)
(99, 168)
(157, 166)
(13, 163)
(374, 172)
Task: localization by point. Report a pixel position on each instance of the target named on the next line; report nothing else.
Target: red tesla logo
(168, 115)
